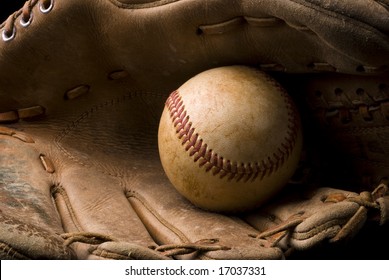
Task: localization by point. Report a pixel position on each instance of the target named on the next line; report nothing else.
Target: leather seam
(136, 6)
(155, 214)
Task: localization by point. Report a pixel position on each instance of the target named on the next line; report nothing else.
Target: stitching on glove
(241, 21)
(8, 117)
(47, 163)
(287, 230)
(85, 237)
(23, 113)
(222, 27)
(203, 245)
(318, 229)
(187, 247)
(353, 225)
(15, 134)
(76, 92)
(110, 255)
(335, 229)
(61, 199)
(366, 201)
(126, 251)
(150, 4)
(346, 104)
(211, 160)
(283, 227)
(136, 196)
(351, 99)
(31, 112)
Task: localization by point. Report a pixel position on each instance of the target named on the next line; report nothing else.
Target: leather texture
(82, 88)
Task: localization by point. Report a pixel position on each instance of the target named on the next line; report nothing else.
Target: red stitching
(219, 165)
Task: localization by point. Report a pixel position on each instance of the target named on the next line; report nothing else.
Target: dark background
(371, 243)
(7, 7)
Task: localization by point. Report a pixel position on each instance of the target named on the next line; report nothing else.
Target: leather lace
(204, 245)
(168, 250)
(26, 16)
(85, 237)
(365, 200)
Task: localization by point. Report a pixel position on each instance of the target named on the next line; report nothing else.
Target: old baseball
(229, 139)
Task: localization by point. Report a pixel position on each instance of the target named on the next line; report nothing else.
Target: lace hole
(44, 8)
(6, 36)
(24, 22)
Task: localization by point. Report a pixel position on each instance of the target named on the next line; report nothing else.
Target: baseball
(229, 139)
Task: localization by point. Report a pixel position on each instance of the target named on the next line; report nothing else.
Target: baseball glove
(82, 88)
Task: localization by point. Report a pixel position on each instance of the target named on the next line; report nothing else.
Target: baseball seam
(212, 161)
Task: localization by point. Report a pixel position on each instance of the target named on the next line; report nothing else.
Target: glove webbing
(335, 229)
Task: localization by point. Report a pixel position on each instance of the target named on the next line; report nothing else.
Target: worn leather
(82, 89)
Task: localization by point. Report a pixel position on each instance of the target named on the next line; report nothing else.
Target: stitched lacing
(168, 250)
(26, 17)
(346, 105)
(366, 201)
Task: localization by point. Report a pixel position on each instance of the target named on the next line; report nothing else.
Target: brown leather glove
(82, 88)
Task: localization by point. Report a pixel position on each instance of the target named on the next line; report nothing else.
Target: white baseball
(229, 139)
